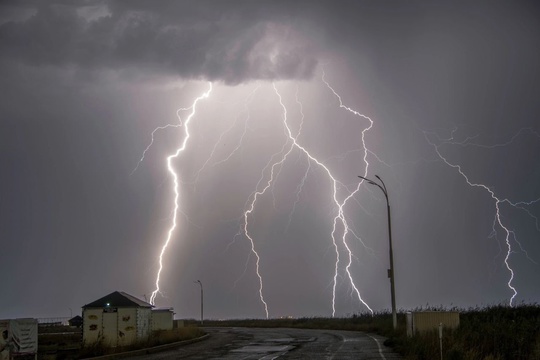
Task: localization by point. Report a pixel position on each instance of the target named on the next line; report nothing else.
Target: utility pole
(391, 273)
(200, 283)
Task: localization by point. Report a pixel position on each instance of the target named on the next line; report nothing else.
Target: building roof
(163, 310)
(75, 321)
(118, 299)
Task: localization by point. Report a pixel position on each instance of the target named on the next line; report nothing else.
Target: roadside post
(440, 338)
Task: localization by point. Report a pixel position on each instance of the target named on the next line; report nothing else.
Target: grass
(162, 337)
(492, 333)
(157, 338)
(58, 342)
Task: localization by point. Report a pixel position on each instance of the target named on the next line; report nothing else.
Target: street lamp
(200, 283)
(391, 273)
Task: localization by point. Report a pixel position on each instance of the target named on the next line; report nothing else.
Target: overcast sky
(446, 102)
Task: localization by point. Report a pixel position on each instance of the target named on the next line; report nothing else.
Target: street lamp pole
(200, 283)
(391, 273)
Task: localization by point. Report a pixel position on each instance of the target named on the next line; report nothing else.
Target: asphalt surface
(267, 344)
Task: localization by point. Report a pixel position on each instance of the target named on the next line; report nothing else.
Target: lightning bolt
(238, 145)
(176, 190)
(152, 143)
(498, 201)
(341, 216)
(339, 193)
(250, 210)
(339, 219)
(297, 192)
(308, 168)
(153, 138)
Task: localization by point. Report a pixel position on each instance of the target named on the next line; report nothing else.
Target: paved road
(267, 344)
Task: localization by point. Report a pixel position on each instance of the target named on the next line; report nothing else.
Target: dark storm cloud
(237, 41)
(210, 40)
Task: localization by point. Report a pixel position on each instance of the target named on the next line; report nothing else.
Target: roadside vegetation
(58, 342)
(68, 345)
(161, 337)
(492, 333)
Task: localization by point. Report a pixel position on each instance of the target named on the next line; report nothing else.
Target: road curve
(268, 344)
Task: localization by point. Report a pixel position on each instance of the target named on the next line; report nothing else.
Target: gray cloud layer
(237, 41)
(187, 39)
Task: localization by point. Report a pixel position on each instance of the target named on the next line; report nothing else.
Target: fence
(53, 321)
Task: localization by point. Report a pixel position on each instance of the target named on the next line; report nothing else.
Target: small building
(162, 319)
(178, 324)
(116, 319)
(76, 321)
(424, 321)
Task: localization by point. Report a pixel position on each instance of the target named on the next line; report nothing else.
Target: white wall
(92, 325)
(162, 320)
(124, 327)
(127, 326)
(143, 323)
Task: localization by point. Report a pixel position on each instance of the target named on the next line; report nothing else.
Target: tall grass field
(491, 333)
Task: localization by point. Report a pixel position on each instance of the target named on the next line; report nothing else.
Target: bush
(162, 337)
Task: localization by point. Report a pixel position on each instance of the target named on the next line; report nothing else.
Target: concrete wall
(423, 321)
(109, 328)
(123, 326)
(92, 325)
(178, 324)
(162, 319)
(144, 316)
(127, 326)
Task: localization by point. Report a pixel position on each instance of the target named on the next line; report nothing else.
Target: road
(267, 344)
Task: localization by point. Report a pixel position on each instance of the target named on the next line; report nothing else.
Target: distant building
(425, 321)
(76, 321)
(116, 319)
